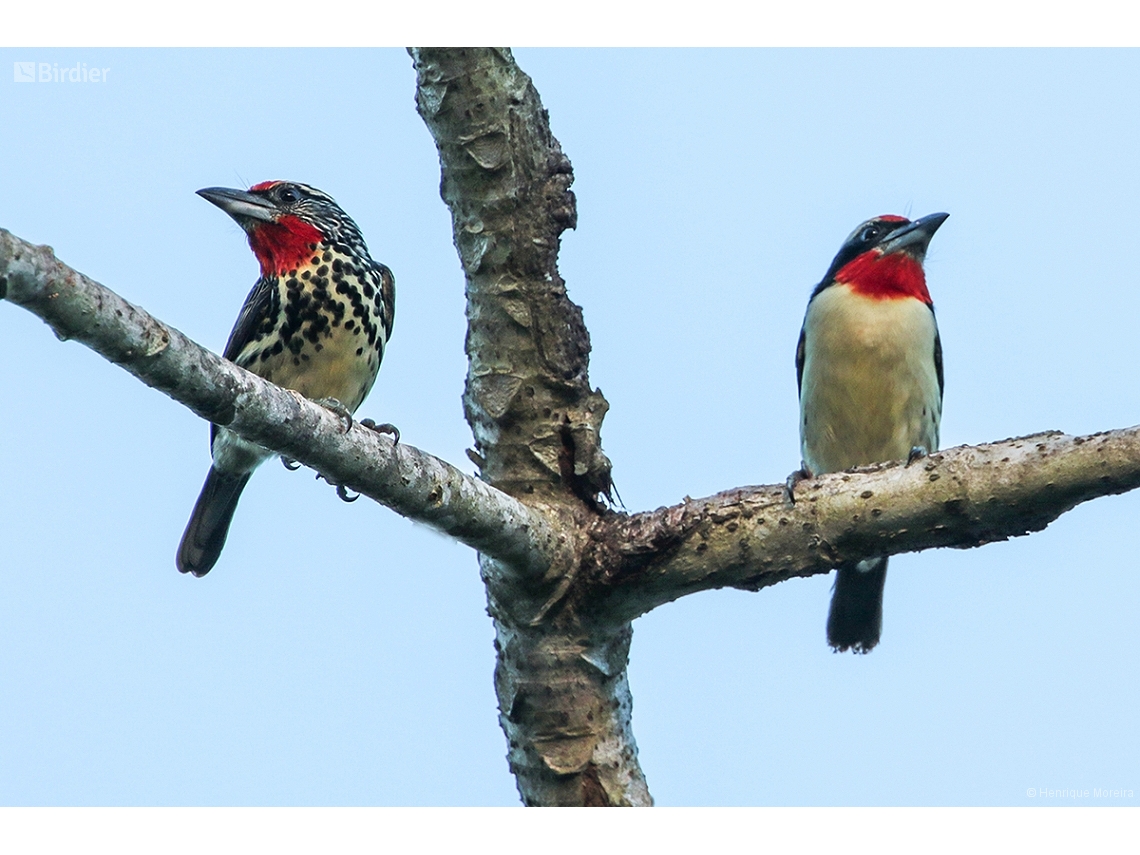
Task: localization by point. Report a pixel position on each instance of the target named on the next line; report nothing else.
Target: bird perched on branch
(869, 367)
(317, 322)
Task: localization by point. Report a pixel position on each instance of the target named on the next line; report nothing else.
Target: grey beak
(915, 236)
(240, 204)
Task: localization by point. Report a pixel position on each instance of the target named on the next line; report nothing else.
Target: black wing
(800, 361)
(260, 310)
(259, 314)
(388, 298)
(937, 363)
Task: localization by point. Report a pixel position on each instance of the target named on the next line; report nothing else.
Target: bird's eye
(869, 234)
(287, 195)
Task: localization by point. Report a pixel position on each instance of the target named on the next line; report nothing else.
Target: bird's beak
(915, 236)
(240, 205)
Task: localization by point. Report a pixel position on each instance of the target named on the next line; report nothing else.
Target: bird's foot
(392, 430)
(339, 409)
(795, 478)
(341, 490)
(916, 453)
(289, 463)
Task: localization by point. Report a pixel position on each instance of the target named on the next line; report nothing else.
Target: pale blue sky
(341, 655)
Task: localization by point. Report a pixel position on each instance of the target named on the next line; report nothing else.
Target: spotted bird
(317, 322)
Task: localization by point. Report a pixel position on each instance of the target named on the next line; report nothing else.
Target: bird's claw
(790, 484)
(390, 429)
(340, 409)
(916, 453)
(341, 490)
(289, 463)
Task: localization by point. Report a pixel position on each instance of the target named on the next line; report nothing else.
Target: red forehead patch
(264, 185)
(893, 218)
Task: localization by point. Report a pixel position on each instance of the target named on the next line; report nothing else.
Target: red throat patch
(885, 277)
(284, 245)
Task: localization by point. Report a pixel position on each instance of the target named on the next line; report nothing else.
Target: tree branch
(752, 537)
(506, 181)
(411, 482)
(564, 700)
(565, 578)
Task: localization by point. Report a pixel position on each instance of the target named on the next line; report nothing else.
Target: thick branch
(411, 482)
(746, 538)
(507, 183)
(752, 537)
(564, 578)
(564, 699)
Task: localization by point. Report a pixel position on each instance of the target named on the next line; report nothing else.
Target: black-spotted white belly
(328, 340)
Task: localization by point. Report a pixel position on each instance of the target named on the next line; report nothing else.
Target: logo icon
(24, 72)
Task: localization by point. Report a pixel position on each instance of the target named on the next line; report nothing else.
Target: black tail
(210, 522)
(855, 621)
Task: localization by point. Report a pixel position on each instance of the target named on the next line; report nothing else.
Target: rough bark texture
(507, 184)
(752, 537)
(564, 700)
(564, 575)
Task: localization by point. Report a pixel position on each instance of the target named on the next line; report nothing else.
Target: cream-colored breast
(340, 365)
(327, 343)
(870, 390)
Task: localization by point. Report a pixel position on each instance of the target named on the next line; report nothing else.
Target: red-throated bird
(869, 366)
(317, 322)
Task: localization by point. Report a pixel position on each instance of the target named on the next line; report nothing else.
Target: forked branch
(565, 577)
